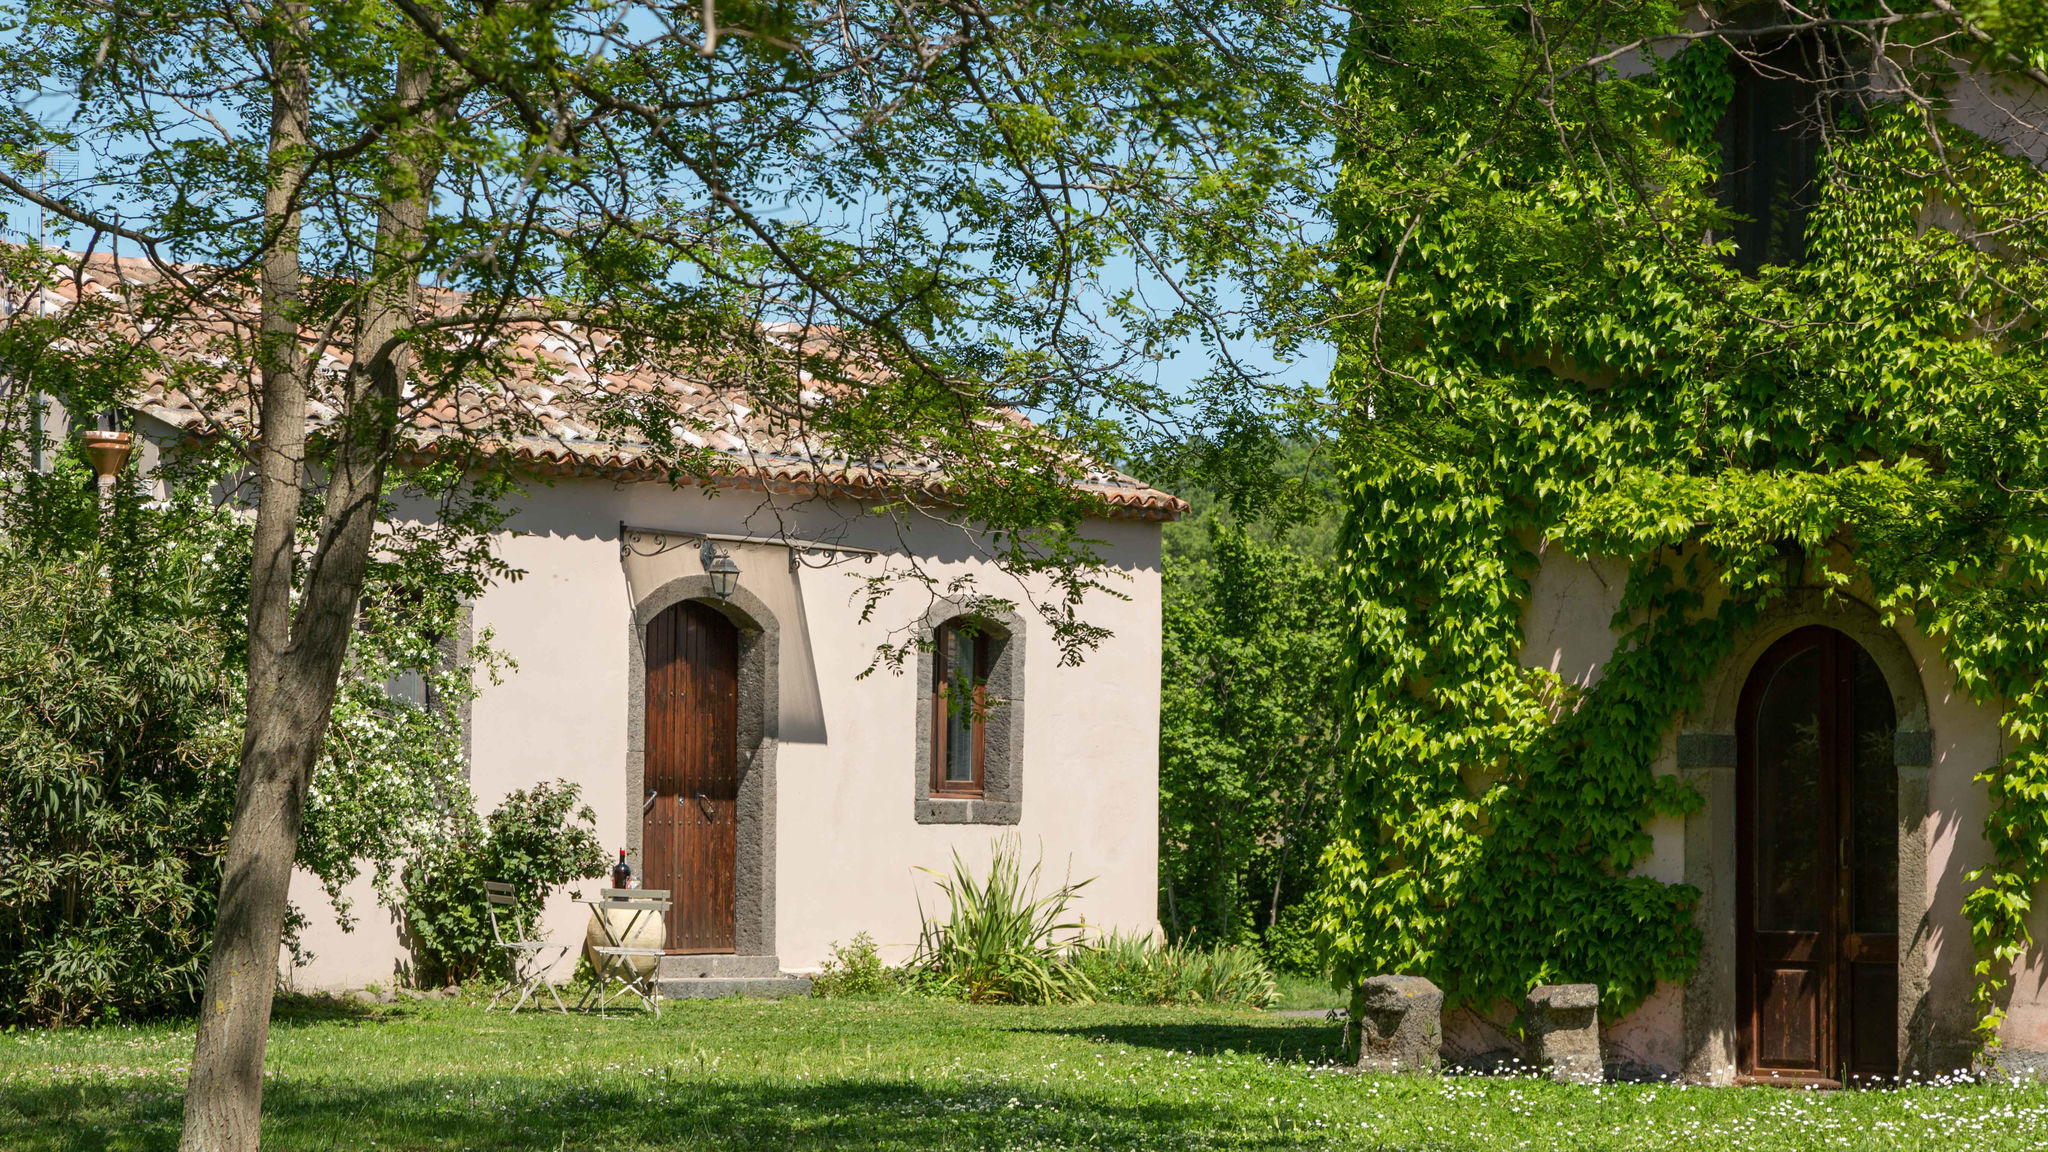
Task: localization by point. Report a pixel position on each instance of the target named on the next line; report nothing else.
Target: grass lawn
(904, 1074)
(1299, 993)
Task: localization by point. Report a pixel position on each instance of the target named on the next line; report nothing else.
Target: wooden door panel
(1873, 1020)
(1789, 1019)
(1789, 947)
(692, 773)
(1870, 949)
(1817, 852)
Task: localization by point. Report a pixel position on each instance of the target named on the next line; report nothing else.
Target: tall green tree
(122, 680)
(346, 209)
(1248, 720)
(1248, 735)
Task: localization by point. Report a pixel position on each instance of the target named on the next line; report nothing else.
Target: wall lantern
(724, 573)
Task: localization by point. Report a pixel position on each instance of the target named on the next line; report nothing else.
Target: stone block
(1562, 1022)
(2017, 1064)
(1397, 1025)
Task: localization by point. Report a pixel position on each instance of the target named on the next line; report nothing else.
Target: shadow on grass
(1289, 1040)
(515, 1114)
(294, 1010)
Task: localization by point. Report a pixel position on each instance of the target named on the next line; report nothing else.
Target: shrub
(117, 760)
(1130, 970)
(1001, 941)
(1227, 974)
(1290, 943)
(122, 680)
(536, 840)
(853, 970)
(1139, 970)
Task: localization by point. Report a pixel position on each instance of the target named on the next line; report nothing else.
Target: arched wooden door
(1817, 864)
(692, 772)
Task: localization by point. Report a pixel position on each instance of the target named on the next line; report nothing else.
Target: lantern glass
(724, 573)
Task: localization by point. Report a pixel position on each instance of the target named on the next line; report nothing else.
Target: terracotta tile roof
(555, 410)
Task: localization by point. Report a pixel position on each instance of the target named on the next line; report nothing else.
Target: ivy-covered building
(1697, 559)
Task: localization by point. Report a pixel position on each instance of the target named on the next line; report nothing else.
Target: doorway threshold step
(716, 965)
(752, 987)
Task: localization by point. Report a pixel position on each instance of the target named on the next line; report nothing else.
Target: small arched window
(970, 716)
(959, 708)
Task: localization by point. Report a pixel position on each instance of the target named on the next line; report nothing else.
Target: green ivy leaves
(1547, 350)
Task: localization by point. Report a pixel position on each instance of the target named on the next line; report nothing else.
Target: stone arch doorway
(1817, 863)
(689, 817)
(756, 633)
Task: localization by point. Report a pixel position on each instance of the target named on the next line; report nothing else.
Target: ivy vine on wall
(1549, 346)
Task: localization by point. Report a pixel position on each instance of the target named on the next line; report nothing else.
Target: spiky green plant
(1001, 941)
(1230, 975)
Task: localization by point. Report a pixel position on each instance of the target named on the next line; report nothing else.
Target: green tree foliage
(1247, 732)
(1547, 348)
(121, 682)
(117, 751)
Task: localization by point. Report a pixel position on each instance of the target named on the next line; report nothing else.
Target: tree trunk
(1172, 912)
(295, 659)
(224, 1093)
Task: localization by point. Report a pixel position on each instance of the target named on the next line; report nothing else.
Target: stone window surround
(1002, 771)
(1705, 754)
(759, 700)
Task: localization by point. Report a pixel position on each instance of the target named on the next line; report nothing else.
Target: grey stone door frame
(759, 674)
(1706, 753)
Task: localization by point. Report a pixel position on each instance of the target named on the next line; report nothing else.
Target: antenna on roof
(61, 163)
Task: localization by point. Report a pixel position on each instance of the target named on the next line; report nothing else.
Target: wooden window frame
(941, 697)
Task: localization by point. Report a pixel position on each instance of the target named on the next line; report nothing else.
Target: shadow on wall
(592, 510)
(311, 971)
(1945, 1018)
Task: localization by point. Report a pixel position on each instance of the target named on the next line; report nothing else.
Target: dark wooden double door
(689, 823)
(1817, 865)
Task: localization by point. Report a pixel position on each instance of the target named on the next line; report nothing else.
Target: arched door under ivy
(1817, 865)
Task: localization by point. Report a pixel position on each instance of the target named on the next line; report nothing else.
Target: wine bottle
(622, 872)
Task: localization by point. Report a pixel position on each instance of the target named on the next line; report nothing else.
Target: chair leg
(561, 952)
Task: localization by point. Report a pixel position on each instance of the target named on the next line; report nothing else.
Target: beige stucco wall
(847, 849)
(1567, 630)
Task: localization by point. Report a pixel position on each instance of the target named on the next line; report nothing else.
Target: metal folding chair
(529, 960)
(614, 959)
